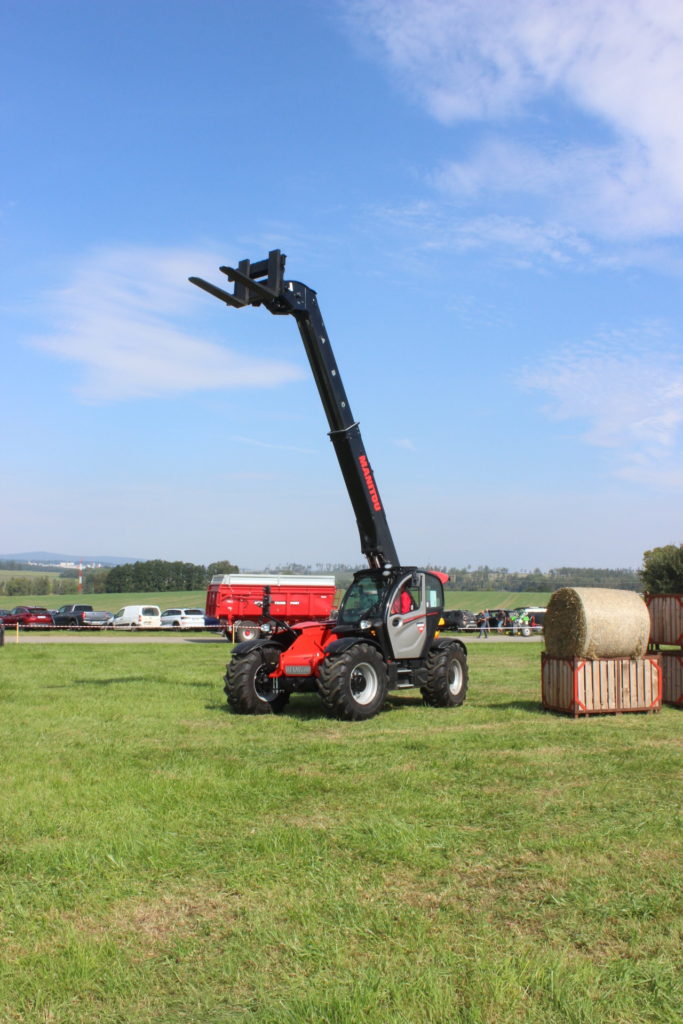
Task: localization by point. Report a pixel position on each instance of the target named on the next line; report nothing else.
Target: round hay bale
(594, 622)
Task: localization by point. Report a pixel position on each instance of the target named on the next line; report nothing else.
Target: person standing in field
(484, 624)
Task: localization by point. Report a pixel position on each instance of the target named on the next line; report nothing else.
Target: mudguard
(252, 645)
(446, 641)
(343, 644)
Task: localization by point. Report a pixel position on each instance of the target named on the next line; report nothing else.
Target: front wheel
(447, 677)
(248, 685)
(353, 685)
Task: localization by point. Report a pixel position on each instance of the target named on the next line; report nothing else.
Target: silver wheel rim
(364, 683)
(264, 685)
(455, 678)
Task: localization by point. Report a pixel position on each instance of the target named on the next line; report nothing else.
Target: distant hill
(52, 558)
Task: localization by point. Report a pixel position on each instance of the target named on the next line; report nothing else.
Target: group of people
(501, 620)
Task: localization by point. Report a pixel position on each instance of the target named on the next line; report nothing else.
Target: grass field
(166, 861)
(8, 574)
(474, 600)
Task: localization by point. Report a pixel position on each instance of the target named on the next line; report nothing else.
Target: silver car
(182, 618)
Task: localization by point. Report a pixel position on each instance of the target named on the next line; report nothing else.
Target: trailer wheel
(246, 631)
(445, 685)
(248, 685)
(353, 685)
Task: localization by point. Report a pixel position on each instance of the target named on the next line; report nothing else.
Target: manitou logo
(367, 473)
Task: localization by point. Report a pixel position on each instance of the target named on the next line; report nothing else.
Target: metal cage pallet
(599, 686)
(666, 618)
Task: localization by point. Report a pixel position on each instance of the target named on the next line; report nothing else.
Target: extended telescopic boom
(262, 283)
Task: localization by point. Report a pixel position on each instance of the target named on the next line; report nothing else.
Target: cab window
(434, 592)
(362, 599)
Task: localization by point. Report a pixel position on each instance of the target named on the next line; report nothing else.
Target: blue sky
(488, 199)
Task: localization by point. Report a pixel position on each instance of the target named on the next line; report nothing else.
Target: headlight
(364, 624)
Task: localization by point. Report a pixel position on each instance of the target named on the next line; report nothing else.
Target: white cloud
(272, 446)
(626, 389)
(120, 317)
(617, 65)
(518, 239)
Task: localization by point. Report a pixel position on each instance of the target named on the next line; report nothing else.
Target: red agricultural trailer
(249, 605)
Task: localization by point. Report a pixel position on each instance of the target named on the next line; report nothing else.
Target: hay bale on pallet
(594, 622)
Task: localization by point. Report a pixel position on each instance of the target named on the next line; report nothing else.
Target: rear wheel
(445, 685)
(248, 685)
(246, 631)
(353, 685)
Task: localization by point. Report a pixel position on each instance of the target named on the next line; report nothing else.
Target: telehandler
(386, 633)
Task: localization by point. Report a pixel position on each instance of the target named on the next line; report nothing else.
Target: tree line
(157, 575)
(662, 573)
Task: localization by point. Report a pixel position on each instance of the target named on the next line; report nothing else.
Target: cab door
(407, 617)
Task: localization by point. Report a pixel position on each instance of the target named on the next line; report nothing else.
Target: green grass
(477, 600)
(166, 861)
(8, 574)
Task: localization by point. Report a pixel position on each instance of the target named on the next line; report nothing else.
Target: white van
(137, 616)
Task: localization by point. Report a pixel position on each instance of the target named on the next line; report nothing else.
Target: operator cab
(401, 607)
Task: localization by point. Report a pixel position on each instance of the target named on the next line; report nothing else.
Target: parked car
(182, 618)
(28, 616)
(460, 619)
(76, 615)
(137, 616)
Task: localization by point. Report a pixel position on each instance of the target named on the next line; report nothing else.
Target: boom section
(263, 283)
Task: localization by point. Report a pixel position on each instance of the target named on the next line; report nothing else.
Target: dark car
(28, 616)
(460, 619)
(81, 615)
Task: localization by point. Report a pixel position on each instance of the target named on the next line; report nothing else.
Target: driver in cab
(403, 602)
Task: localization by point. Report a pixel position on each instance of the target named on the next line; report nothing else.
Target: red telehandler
(386, 634)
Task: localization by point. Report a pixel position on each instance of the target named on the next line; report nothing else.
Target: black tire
(445, 684)
(353, 685)
(248, 686)
(246, 631)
